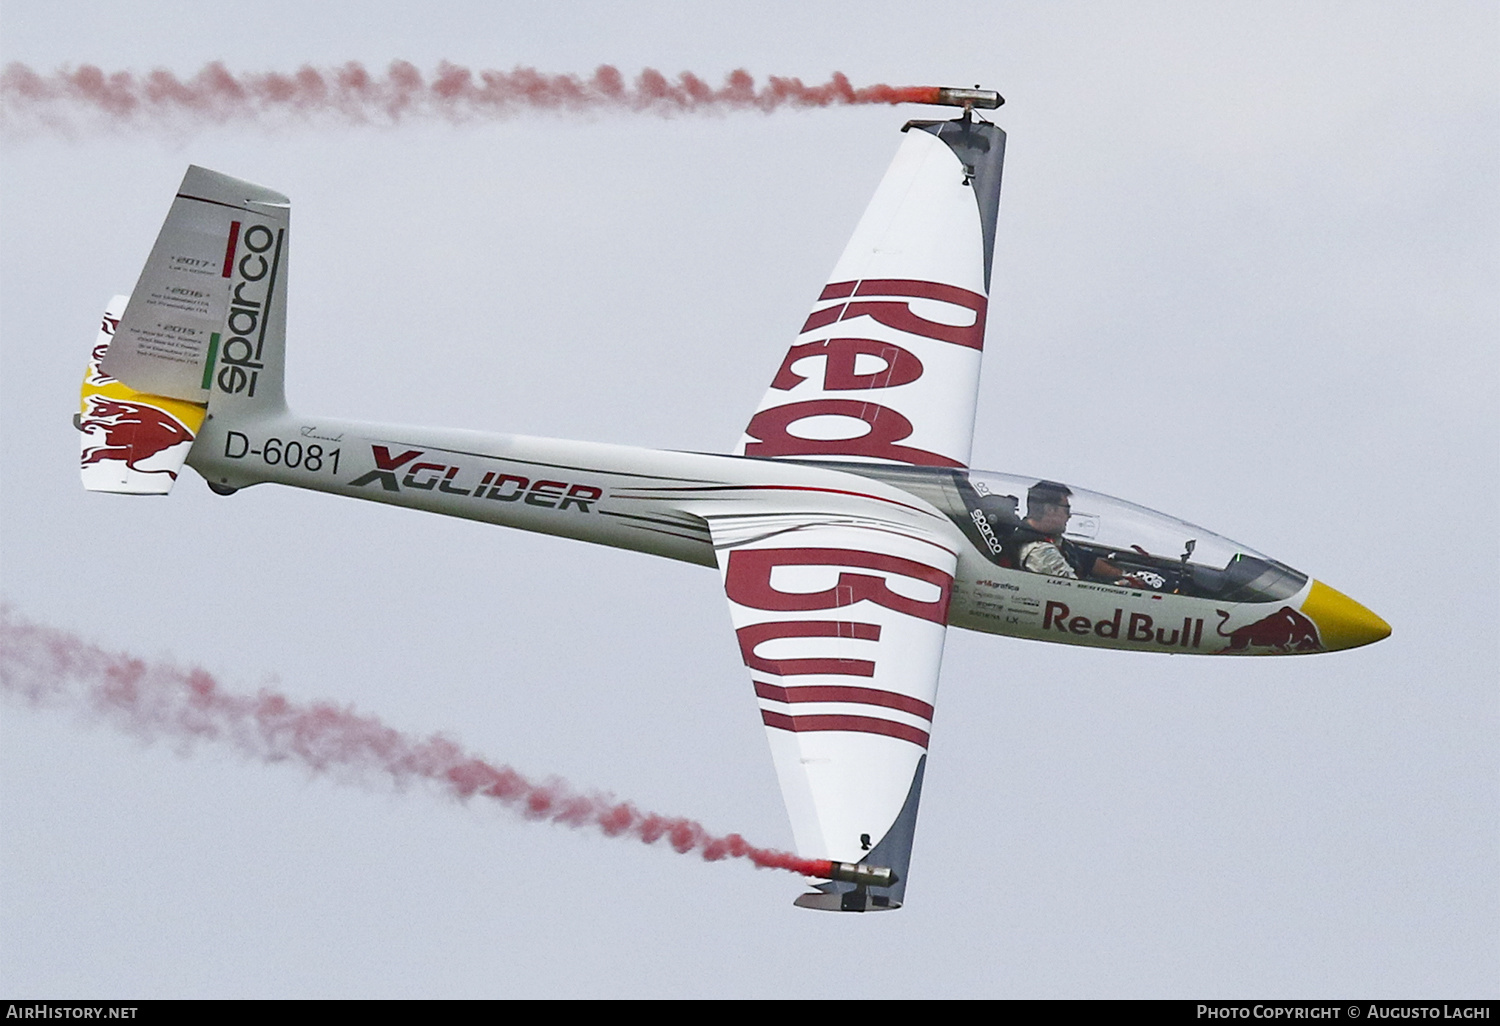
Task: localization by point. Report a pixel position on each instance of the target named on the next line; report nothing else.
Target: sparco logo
(984, 529)
(254, 283)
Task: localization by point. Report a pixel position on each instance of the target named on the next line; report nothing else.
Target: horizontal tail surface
(132, 442)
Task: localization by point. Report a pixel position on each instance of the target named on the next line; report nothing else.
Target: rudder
(207, 320)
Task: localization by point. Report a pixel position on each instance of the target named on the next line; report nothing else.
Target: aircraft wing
(886, 367)
(840, 607)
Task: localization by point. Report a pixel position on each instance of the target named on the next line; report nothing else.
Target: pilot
(1039, 543)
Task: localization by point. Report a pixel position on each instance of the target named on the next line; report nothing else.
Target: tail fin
(207, 321)
(132, 442)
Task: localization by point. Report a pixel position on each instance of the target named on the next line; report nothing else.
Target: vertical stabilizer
(208, 315)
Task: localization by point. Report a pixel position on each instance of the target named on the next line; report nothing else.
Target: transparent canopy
(1040, 526)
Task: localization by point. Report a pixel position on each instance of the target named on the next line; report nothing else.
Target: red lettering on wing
(853, 724)
(748, 581)
(886, 428)
(844, 693)
(898, 314)
(756, 634)
(839, 375)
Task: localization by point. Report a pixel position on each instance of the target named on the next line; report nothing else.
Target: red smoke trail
(154, 701)
(351, 94)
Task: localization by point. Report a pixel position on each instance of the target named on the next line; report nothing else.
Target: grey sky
(1246, 274)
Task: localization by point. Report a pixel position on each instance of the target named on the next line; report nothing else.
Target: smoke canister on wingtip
(952, 96)
(856, 873)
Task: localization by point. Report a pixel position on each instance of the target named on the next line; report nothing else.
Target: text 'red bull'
(1139, 627)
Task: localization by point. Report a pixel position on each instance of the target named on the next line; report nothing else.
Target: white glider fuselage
(659, 502)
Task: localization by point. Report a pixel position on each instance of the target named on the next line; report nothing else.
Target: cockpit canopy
(1091, 536)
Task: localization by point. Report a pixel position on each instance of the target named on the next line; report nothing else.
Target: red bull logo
(95, 375)
(1285, 630)
(133, 432)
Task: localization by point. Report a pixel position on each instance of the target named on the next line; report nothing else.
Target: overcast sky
(1246, 273)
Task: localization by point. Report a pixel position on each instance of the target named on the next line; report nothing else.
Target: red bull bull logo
(132, 432)
(95, 375)
(1285, 630)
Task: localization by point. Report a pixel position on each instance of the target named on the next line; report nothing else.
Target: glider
(848, 529)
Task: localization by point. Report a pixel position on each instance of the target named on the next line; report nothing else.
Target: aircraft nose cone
(1342, 622)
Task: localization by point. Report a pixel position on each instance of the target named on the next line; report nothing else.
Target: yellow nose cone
(1342, 622)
